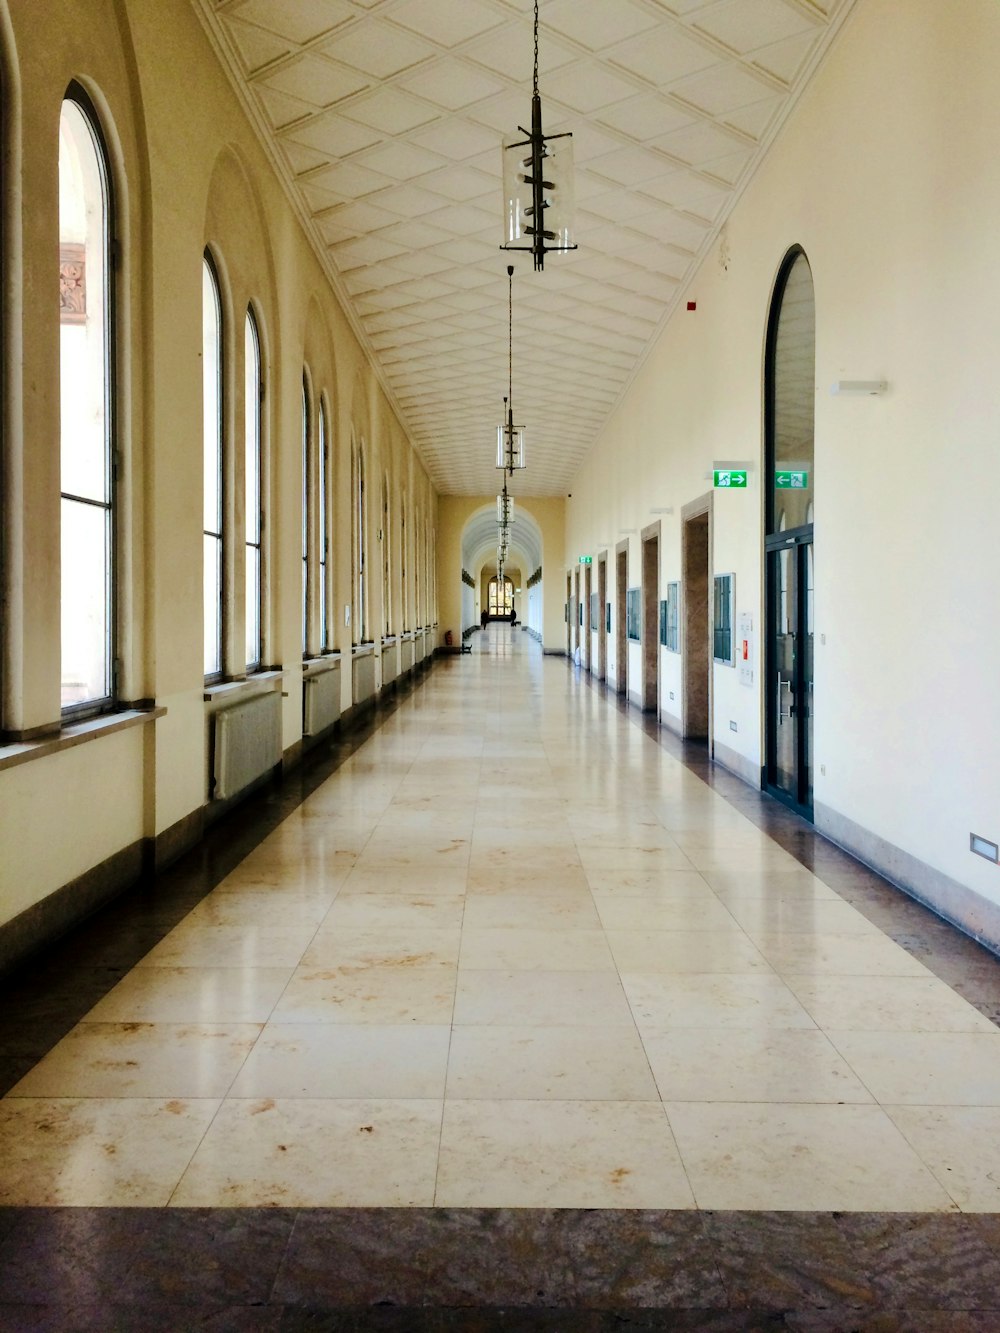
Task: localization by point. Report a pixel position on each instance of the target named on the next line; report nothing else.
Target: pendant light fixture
(510, 438)
(538, 184)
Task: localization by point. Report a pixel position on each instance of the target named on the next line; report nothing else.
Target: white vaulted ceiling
(385, 117)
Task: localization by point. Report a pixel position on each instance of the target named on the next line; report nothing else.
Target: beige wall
(886, 175)
(454, 512)
(188, 172)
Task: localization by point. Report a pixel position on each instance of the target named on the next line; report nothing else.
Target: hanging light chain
(535, 85)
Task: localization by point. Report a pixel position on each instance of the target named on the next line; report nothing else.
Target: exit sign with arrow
(729, 478)
(791, 481)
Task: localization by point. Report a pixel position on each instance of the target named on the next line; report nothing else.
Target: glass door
(789, 665)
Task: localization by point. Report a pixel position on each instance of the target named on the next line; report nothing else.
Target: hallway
(513, 953)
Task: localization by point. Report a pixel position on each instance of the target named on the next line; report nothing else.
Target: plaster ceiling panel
(377, 48)
(664, 55)
(279, 109)
(333, 136)
(588, 86)
(786, 59)
(452, 84)
(444, 21)
(257, 47)
(389, 110)
(385, 118)
(596, 26)
(743, 25)
(316, 81)
(298, 20)
(645, 116)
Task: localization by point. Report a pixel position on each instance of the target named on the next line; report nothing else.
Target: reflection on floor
(506, 950)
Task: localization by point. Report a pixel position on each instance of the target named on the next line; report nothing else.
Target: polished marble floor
(513, 952)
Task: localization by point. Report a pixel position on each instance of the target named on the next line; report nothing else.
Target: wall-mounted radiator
(406, 663)
(321, 702)
(364, 678)
(247, 743)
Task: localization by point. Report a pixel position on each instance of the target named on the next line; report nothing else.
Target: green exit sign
(586, 559)
(729, 478)
(791, 481)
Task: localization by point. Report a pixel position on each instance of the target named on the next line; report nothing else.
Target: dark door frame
(621, 637)
(650, 582)
(799, 540)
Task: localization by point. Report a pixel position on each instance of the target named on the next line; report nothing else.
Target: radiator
(364, 678)
(321, 701)
(407, 658)
(247, 743)
(390, 656)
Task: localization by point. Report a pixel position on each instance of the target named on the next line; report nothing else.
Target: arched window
(324, 529)
(791, 397)
(404, 590)
(500, 596)
(360, 544)
(211, 305)
(87, 433)
(307, 516)
(254, 389)
(386, 560)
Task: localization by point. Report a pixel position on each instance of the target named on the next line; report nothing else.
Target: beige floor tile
(96, 1153)
(749, 1065)
(757, 1001)
(195, 944)
(801, 1158)
(538, 862)
(837, 955)
(521, 912)
(561, 1063)
(541, 999)
(346, 1060)
(530, 950)
(925, 1068)
(193, 995)
(766, 856)
(527, 880)
(820, 916)
(390, 993)
(396, 911)
(680, 951)
(660, 885)
(297, 879)
(961, 1145)
(336, 946)
(750, 882)
(177, 1060)
(613, 859)
(255, 907)
(529, 1154)
(698, 912)
(887, 1004)
(414, 880)
(304, 1153)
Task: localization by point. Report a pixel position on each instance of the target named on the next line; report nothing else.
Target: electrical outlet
(733, 726)
(671, 694)
(822, 770)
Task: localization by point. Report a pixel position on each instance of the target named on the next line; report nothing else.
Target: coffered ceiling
(384, 119)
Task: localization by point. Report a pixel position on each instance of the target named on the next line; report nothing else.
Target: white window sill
(227, 690)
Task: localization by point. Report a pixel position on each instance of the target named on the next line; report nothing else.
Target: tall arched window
(500, 596)
(324, 529)
(790, 399)
(386, 560)
(307, 516)
(254, 390)
(404, 590)
(211, 304)
(87, 431)
(360, 544)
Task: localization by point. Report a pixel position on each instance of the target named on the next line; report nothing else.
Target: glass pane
(794, 390)
(324, 530)
(783, 574)
(305, 519)
(252, 431)
(83, 309)
(806, 708)
(213, 604)
(211, 344)
(86, 666)
(253, 605)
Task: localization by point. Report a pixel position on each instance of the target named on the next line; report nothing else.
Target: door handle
(784, 685)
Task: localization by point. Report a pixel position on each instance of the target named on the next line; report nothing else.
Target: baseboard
(747, 770)
(179, 838)
(672, 723)
(955, 902)
(292, 757)
(45, 921)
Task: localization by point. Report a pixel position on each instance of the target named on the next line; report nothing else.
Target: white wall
(886, 175)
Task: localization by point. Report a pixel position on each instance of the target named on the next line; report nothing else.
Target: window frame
(254, 539)
(323, 521)
(723, 600)
(211, 268)
(77, 95)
